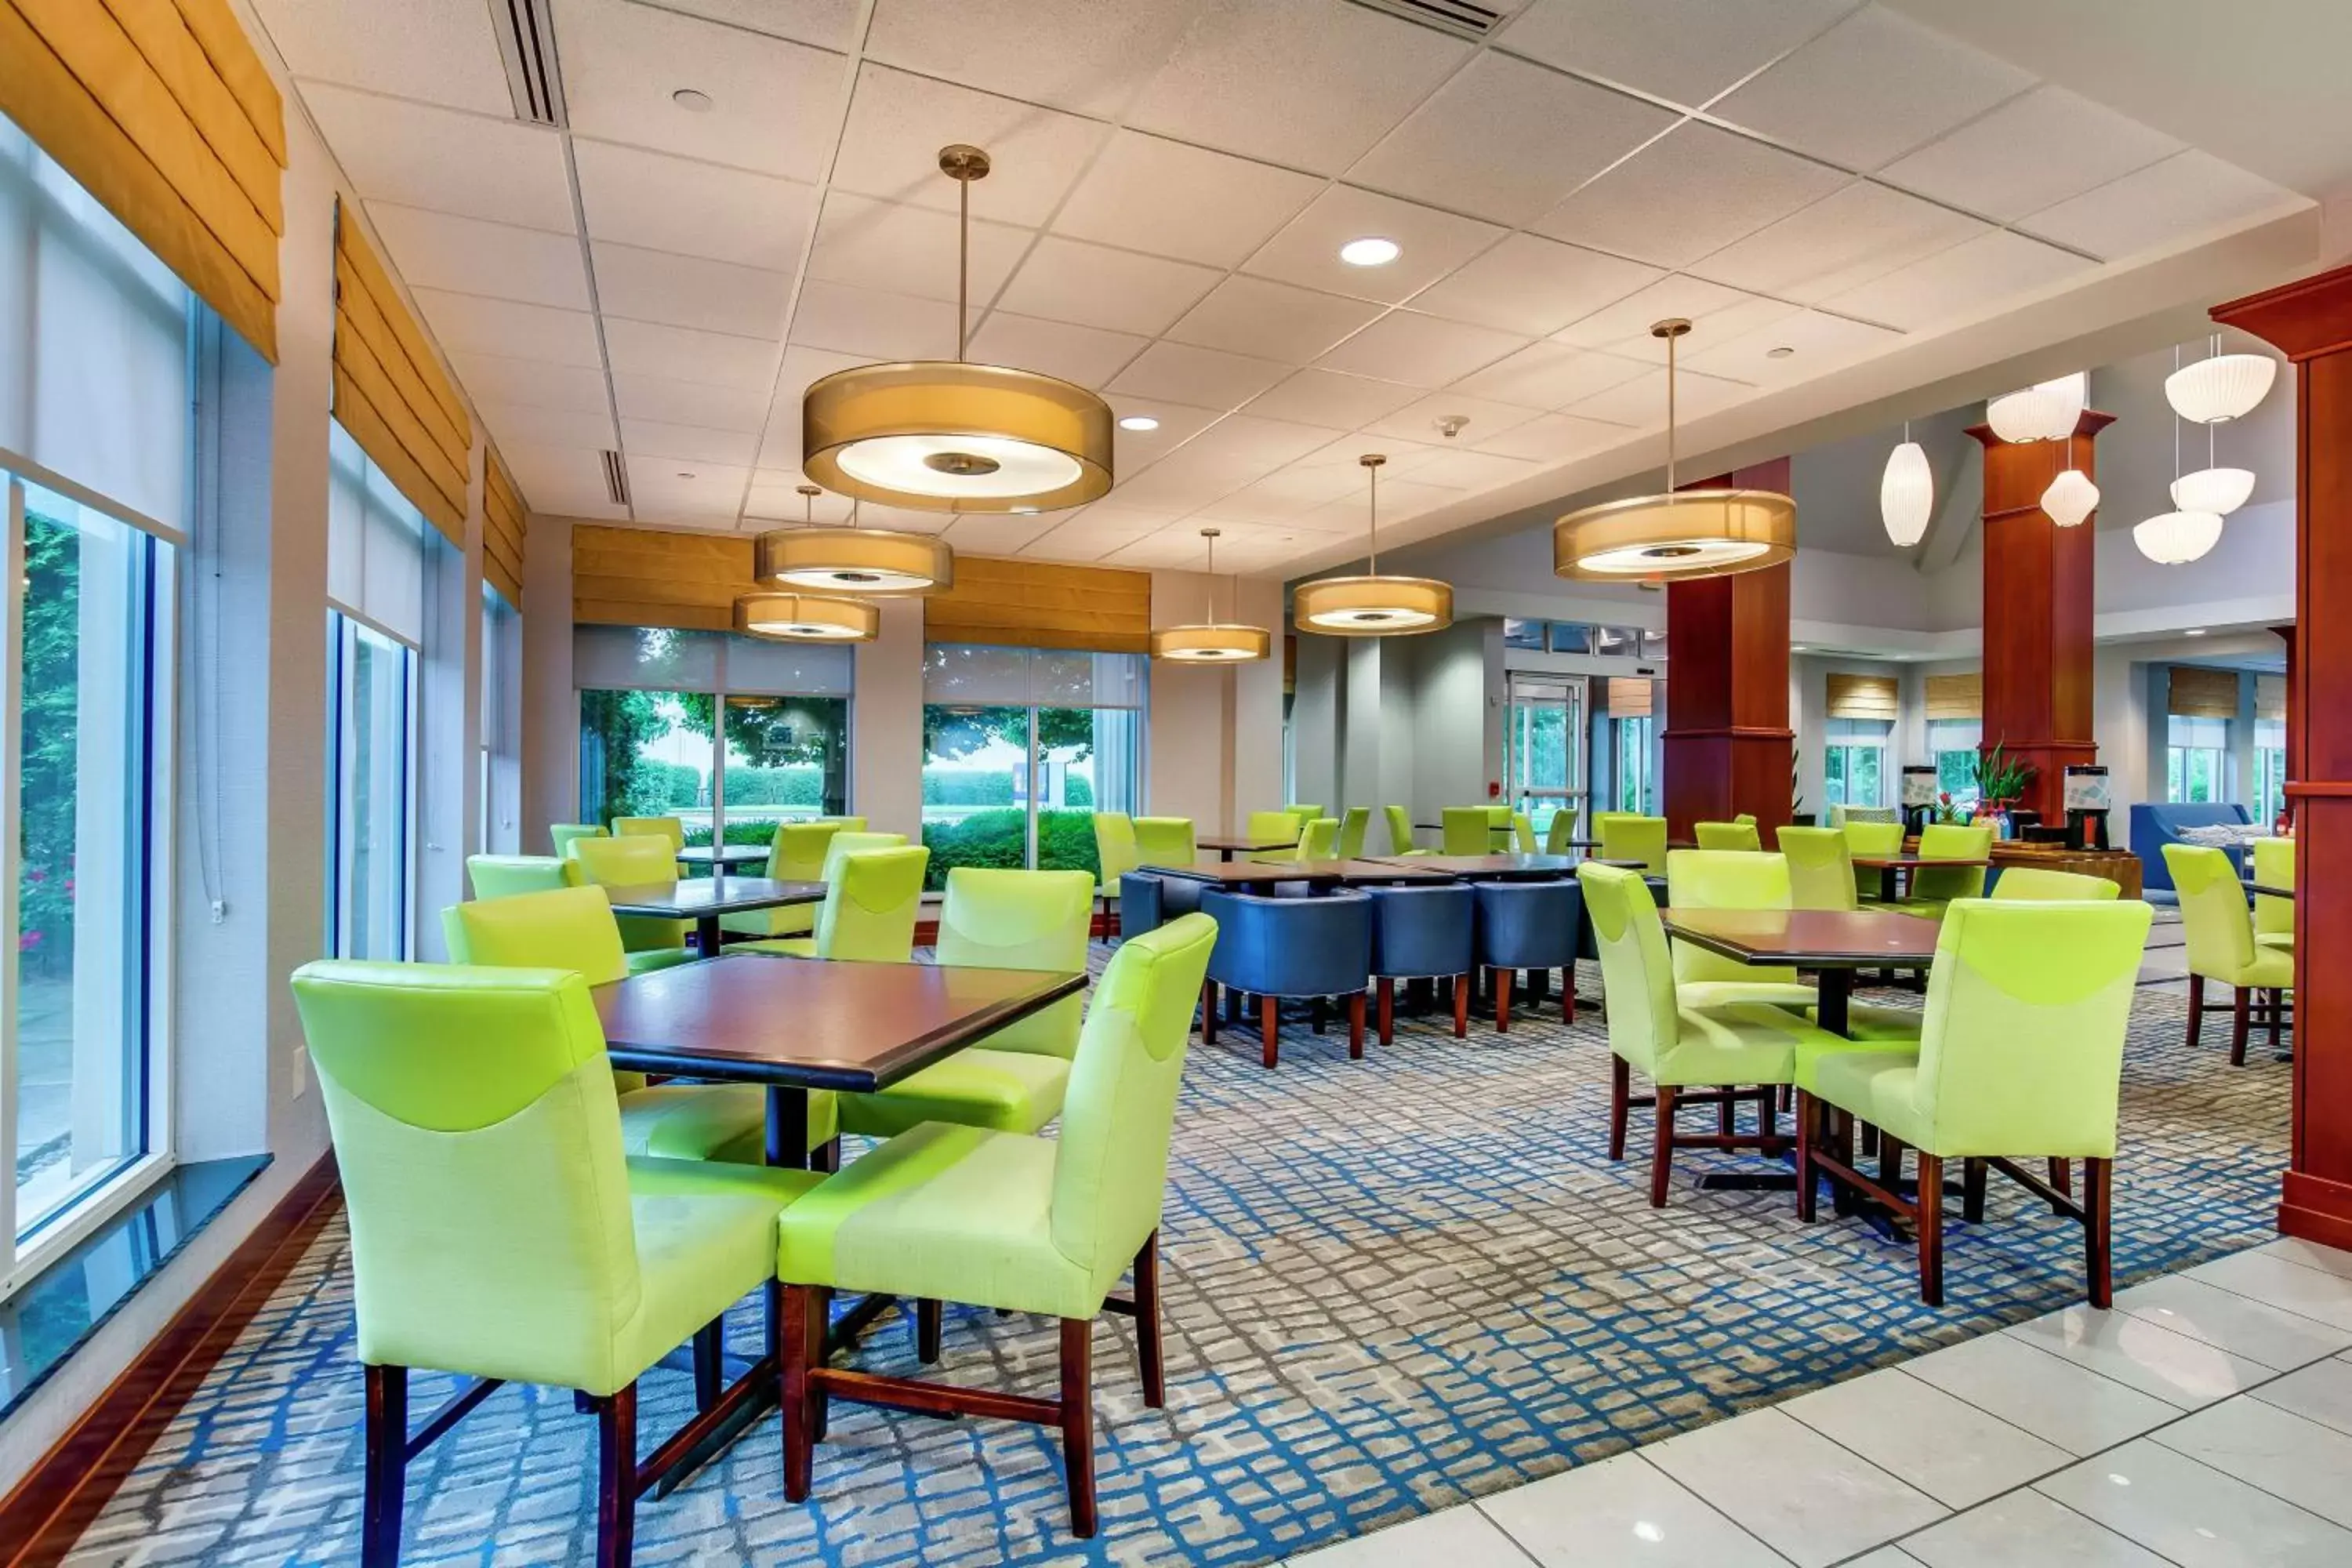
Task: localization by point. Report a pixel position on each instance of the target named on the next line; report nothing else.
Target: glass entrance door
(1543, 746)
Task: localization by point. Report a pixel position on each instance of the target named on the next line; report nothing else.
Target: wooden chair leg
(1149, 1353)
(1890, 1161)
(386, 1463)
(2195, 1008)
(1315, 1012)
(2062, 1176)
(1388, 1010)
(1461, 987)
(1270, 1030)
(1208, 1012)
(2098, 1205)
(1662, 1153)
(1355, 1026)
(800, 1440)
(1972, 1190)
(2239, 1022)
(1501, 980)
(1931, 1228)
(710, 1353)
(1621, 1092)
(616, 1478)
(928, 1317)
(1807, 1113)
(2278, 1017)
(1078, 1423)
(1727, 1117)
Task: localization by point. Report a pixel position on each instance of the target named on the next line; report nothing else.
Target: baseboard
(49, 1508)
(2313, 1208)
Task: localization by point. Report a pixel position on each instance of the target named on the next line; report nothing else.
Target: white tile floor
(2206, 1422)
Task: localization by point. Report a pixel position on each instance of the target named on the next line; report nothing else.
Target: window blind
(645, 577)
(2200, 693)
(376, 544)
(1629, 697)
(1955, 696)
(2269, 696)
(390, 393)
(1037, 604)
(502, 529)
(1863, 695)
(973, 675)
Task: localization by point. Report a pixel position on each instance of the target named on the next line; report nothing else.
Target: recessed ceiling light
(1370, 251)
(2196, 631)
(1138, 422)
(1783, 351)
(683, 474)
(692, 99)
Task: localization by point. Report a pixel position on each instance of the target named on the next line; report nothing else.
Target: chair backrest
(1266, 826)
(504, 876)
(1320, 841)
(1399, 829)
(1523, 833)
(871, 899)
(1637, 976)
(1022, 919)
(797, 852)
(1306, 814)
(847, 843)
(569, 928)
(1562, 829)
(1466, 830)
(561, 834)
(2273, 868)
(1625, 836)
(1820, 868)
(2018, 884)
(1866, 836)
(2218, 932)
(1164, 841)
(630, 860)
(1115, 847)
(1725, 879)
(1726, 835)
(670, 827)
(846, 824)
(478, 1139)
(1110, 1163)
(1956, 841)
(2022, 1046)
(1353, 828)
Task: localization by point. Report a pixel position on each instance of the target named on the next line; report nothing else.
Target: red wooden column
(2311, 324)
(2037, 610)
(1728, 737)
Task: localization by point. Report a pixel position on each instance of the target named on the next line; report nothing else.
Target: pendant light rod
(1211, 535)
(963, 163)
(1671, 328)
(808, 494)
(1371, 462)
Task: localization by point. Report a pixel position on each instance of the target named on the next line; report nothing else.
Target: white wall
(886, 751)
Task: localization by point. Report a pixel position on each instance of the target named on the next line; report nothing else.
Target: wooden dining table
(1894, 870)
(1319, 875)
(1228, 845)
(704, 899)
(705, 856)
(1494, 867)
(1832, 943)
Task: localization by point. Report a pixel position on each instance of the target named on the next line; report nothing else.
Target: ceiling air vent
(1459, 17)
(527, 45)
(616, 478)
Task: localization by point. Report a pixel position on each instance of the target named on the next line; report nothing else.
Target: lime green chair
(871, 899)
(1466, 830)
(637, 861)
(505, 876)
(1723, 1057)
(1523, 833)
(1319, 841)
(1011, 1220)
(846, 824)
(2221, 945)
(497, 1230)
(1627, 836)
(2274, 918)
(1821, 868)
(1165, 841)
(1399, 829)
(2020, 883)
(1115, 852)
(1562, 829)
(2028, 1006)
(1014, 1080)
(563, 834)
(796, 853)
(848, 842)
(1306, 814)
(1266, 826)
(1353, 828)
(670, 827)
(1863, 838)
(1729, 836)
(1933, 886)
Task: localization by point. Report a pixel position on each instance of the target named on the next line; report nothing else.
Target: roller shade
(1863, 697)
(1955, 696)
(1629, 697)
(390, 393)
(2269, 696)
(163, 113)
(1036, 604)
(643, 577)
(2199, 693)
(502, 529)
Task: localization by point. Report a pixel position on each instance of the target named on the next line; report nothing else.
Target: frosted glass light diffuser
(2226, 386)
(2047, 410)
(2072, 497)
(2178, 538)
(1907, 494)
(2217, 491)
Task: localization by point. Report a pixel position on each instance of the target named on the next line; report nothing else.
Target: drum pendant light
(1371, 605)
(806, 618)
(950, 436)
(1212, 641)
(1681, 533)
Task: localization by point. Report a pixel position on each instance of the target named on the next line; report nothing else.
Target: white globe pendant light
(2217, 491)
(1906, 493)
(2071, 498)
(2220, 386)
(2177, 538)
(2046, 411)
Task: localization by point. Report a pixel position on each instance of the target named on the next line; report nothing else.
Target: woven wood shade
(643, 577)
(1863, 697)
(390, 393)
(1629, 697)
(1037, 604)
(1955, 696)
(2269, 696)
(2200, 693)
(502, 528)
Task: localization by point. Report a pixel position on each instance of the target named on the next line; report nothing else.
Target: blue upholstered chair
(1148, 901)
(2157, 822)
(1273, 948)
(1527, 925)
(1422, 934)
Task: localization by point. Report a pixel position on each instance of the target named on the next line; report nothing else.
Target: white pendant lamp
(2217, 491)
(1681, 533)
(2071, 498)
(2178, 538)
(1906, 493)
(806, 618)
(853, 560)
(2046, 411)
(1212, 641)
(1371, 605)
(2220, 386)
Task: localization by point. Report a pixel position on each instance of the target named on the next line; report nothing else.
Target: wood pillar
(2311, 322)
(1727, 741)
(2038, 583)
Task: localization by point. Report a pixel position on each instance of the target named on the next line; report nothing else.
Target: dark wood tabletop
(1813, 939)
(1241, 844)
(699, 897)
(1914, 862)
(723, 855)
(2268, 891)
(1262, 873)
(1488, 865)
(806, 1023)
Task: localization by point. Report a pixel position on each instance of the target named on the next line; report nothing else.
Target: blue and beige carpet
(1391, 1285)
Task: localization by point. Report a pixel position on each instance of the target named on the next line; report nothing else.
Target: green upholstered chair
(871, 899)
(1821, 868)
(1466, 830)
(1011, 1220)
(670, 827)
(1870, 838)
(1721, 1057)
(1628, 836)
(1399, 829)
(2019, 883)
(1523, 833)
(2028, 1006)
(2274, 918)
(636, 860)
(1744, 879)
(498, 1231)
(796, 853)
(1014, 1080)
(1728, 835)
(1353, 828)
(504, 876)
(561, 834)
(1266, 826)
(1165, 841)
(1562, 829)
(1306, 814)
(1115, 852)
(2220, 943)
(1319, 840)
(1933, 886)
(849, 842)
(846, 824)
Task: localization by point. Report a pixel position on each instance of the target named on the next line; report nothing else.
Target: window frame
(344, 629)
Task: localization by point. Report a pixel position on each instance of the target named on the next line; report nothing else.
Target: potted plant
(2000, 781)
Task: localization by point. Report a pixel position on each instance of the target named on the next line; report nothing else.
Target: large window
(1854, 762)
(2196, 759)
(1021, 748)
(2270, 769)
(1543, 740)
(1953, 743)
(1633, 745)
(499, 762)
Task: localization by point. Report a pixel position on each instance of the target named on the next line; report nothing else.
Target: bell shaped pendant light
(1371, 605)
(2177, 538)
(806, 618)
(2046, 411)
(1212, 641)
(2220, 386)
(1906, 493)
(2070, 498)
(1681, 533)
(952, 436)
(2212, 488)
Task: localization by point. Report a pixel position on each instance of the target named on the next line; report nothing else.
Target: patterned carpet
(1391, 1285)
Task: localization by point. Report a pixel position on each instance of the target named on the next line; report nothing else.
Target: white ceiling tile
(532, 384)
(1203, 377)
(1087, 356)
(1185, 480)
(1693, 191)
(2031, 153)
(1178, 423)
(662, 202)
(1841, 242)
(1146, 193)
(824, 23)
(657, 399)
(905, 249)
(1077, 55)
(463, 323)
(438, 51)
(773, 103)
(1871, 88)
(1715, 311)
(1463, 469)
(562, 481)
(421, 156)
(1555, 438)
(1095, 285)
(435, 250)
(996, 532)
(1684, 50)
(1641, 403)
(1278, 321)
(1820, 341)
(664, 489)
(1560, 132)
(1400, 500)
(1962, 282)
(1333, 400)
(681, 354)
(1433, 243)
(1098, 530)
(1421, 351)
(1293, 491)
(773, 497)
(1420, 421)
(2186, 194)
(1550, 375)
(1309, 83)
(688, 444)
(780, 444)
(1264, 444)
(1535, 286)
(898, 123)
(522, 425)
(905, 519)
(1174, 547)
(687, 291)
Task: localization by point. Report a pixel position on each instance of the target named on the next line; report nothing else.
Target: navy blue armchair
(1528, 925)
(2157, 822)
(1271, 948)
(1148, 901)
(1420, 933)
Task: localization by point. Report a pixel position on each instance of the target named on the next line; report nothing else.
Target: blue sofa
(2155, 824)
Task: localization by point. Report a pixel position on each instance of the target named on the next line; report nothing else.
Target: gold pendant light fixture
(1371, 605)
(806, 617)
(950, 436)
(1212, 641)
(1681, 533)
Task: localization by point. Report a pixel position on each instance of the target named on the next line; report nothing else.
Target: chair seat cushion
(706, 1238)
(1732, 1045)
(2272, 969)
(1010, 1092)
(723, 1122)
(1878, 1088)
(792, 920)
(1898, 1025)
(1710, 994)
(658, 958)
(782, 947)
(2282, 940)
(948, 1214)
